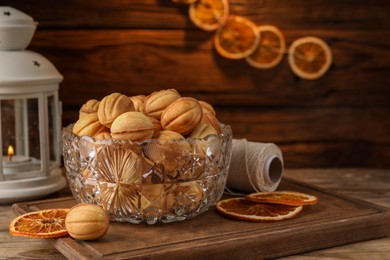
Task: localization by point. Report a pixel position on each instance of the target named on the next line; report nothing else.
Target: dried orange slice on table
(291, 198)
(237, 38)
(270, 50)
(309, 57)
(242, 209)
(209, 15)
(46, 223)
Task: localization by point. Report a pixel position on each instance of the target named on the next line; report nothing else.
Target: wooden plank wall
(140, 46)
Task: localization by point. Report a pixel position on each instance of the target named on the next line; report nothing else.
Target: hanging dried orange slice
(46, 223)
(208, 15)
(291, 198)
(242, 209)
(309, 57)
(270, 50)
(185, 2)
(237, 38)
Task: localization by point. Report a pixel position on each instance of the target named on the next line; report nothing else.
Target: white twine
(254, 167)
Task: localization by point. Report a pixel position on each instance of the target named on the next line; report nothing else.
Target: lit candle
(10, 152)
(15, 163)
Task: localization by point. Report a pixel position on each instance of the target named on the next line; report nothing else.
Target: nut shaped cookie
(138, 102)
(87, 222)
(112, 106)
(103, 136)
(171, 152)
(156, 102)
(152, 198)
(186, 194)
(207, 108)
(89, 125)
(133, 126)
(209, 119)
(91, 106)
(203, 130)
(157, 126)
(167, 136)
(182, 116)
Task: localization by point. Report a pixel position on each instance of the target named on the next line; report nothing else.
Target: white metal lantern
(30, 114)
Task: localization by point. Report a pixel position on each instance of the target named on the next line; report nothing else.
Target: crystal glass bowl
(148, 181)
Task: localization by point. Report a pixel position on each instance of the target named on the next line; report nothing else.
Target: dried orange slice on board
(208, 15)
(291, 198)
(309, 57)
(270, 50)
(46, 223)
(237, 38)
(242, 209)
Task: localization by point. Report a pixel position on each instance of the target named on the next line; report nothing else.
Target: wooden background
(140, 46)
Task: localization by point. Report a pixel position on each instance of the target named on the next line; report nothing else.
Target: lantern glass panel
(33, 141)
(54, 145)
(20, 138)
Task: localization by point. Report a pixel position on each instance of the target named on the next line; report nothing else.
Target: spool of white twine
(254, 167)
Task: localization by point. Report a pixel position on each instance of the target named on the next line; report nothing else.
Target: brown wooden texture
(165, 14)
(335, 220)
(137, 47)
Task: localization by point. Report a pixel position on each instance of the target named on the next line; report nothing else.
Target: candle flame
(10, 150)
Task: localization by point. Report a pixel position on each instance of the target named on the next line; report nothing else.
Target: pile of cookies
(150, 155)
(161, 115)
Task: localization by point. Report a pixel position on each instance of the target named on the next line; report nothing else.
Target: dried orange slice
(291, 198)
(208, 15)
(237, 38)
(242, 209)
(270, 50)
(185, 2)
(46, 223)
(309, 57)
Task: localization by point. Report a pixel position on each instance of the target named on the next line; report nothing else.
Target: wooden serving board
(335, 220)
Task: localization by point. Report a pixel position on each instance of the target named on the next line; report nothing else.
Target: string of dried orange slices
(265, 206)
(262, 46)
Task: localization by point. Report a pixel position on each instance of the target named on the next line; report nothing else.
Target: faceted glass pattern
(148, 181)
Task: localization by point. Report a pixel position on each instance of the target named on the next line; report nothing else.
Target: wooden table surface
(372, 185)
